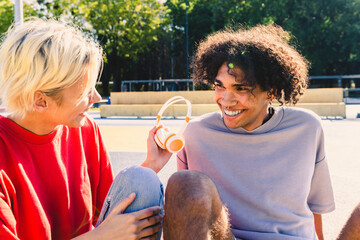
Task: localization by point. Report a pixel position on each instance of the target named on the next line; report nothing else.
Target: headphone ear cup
(174, 143)
(169, 140)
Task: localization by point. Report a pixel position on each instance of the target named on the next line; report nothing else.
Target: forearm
(318, 226)
(351, 230)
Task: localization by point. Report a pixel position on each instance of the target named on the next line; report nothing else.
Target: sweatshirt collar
(18, 131)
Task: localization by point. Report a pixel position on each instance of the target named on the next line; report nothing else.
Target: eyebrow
(234, 85)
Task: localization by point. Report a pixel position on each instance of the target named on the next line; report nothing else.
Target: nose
(228, 99)
(95, 97)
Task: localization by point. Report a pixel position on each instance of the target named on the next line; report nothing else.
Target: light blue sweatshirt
(271, 179)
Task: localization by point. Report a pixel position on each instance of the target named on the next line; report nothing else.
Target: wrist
(150, 164)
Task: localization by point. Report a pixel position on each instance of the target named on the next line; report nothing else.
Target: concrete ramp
(326, 102)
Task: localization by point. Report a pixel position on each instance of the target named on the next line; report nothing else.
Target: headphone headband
(170, 102)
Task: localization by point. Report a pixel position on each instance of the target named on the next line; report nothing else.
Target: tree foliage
(145, 39)
(125, 27)
(326, 32)
(6, 15)
(128, 31)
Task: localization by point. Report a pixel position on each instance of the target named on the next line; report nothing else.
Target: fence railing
(350, 83)
(340, 81)
(158, 85)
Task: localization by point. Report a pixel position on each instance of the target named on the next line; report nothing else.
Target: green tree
(207, 16)
(326, 32)
(126, 30)
(6, 15)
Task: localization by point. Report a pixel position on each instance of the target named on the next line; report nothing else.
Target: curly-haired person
(256, 171)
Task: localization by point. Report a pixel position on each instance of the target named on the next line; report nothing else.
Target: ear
(40, 102)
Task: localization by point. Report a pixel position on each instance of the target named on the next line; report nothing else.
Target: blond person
(54, 168)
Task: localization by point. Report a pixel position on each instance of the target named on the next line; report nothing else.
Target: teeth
(232, 113)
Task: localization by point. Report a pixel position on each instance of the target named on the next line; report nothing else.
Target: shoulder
(301, 116)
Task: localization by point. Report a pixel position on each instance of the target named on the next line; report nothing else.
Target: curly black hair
(263, 53)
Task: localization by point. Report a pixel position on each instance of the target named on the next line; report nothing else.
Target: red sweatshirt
(51, 186)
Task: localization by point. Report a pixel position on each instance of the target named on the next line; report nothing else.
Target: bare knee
(190, 187)
(351, 229)
(193, 205)
(194, 193)
(357, 208)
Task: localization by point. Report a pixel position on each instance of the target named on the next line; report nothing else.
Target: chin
(232, 125)
(77, 123)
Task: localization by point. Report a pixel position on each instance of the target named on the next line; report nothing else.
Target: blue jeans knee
(140, 180)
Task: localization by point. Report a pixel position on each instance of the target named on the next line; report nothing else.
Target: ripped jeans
(140, 180)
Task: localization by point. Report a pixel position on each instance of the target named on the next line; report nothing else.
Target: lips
(88, 109)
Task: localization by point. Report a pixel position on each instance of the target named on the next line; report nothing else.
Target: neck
(270, 112)
(34, 122)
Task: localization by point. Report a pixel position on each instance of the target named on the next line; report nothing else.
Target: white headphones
(169, 140)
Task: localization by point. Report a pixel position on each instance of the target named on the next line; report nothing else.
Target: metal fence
(340, 81)
(157, 85)
(350, 83)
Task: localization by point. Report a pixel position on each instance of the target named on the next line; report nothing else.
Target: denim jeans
(140, 180)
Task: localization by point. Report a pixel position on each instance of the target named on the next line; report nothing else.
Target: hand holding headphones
(173, 142)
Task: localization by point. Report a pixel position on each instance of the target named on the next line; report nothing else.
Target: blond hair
(46, 56)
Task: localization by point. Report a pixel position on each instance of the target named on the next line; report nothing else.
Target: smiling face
(241, 105)
(76, 100)
(67, 107)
